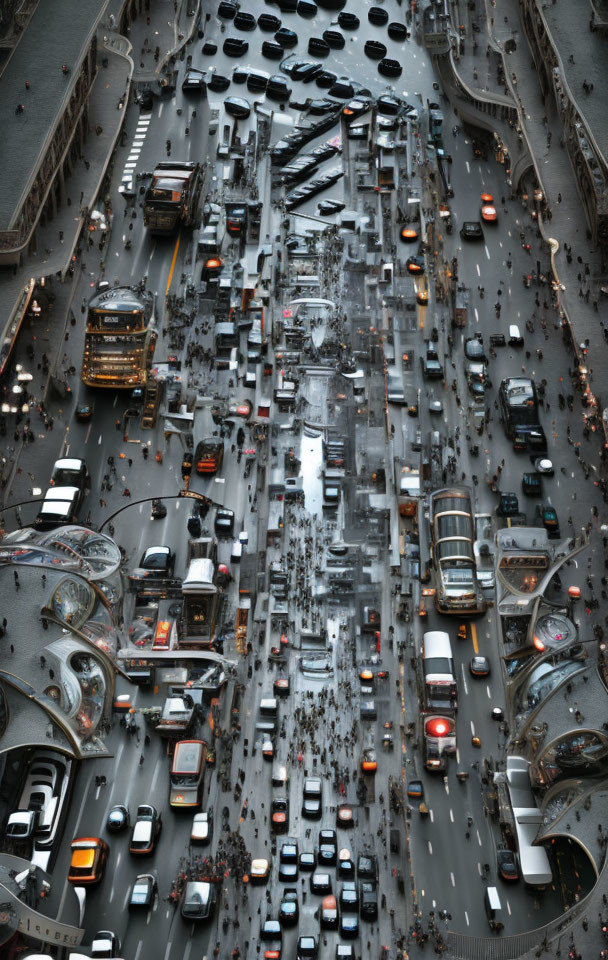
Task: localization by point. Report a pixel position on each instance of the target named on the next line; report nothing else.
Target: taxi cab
(409, 235)
(369, 763)
(260, 870)
(488, 210)
(89, 855)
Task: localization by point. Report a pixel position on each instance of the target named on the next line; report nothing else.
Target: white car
(202, 828)
(105, 944)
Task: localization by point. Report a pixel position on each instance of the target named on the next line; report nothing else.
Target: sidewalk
(567, 223)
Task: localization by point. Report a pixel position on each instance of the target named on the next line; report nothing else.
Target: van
(438, 670)
(491, 902)
(515, 337)
(198, 901)
(269, 707)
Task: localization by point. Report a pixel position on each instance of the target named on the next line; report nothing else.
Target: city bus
(187, 773)
(452, 532)
(440, 691)
(120, 338)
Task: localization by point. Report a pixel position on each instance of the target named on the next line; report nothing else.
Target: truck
(181, 711)
(173, 197)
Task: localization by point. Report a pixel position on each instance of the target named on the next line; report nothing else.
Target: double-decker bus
(187, 773)
(457, 589)
(120, 338)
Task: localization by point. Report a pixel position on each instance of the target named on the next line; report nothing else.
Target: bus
(518, 408)
(452, 532)
(187, 773)
(440, 691)
(120, 338)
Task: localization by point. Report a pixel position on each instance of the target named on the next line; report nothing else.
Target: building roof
(590, 53)
(57, 33)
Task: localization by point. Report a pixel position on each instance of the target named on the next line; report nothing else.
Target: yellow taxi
(488, 210)
(89, 855)
(369, 763)
(260, 870)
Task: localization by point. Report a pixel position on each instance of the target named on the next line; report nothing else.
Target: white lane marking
(476, 315)
(189, 944)
(168, 950)
(452, 879)
(130, 166)
(121, 747)
(126, 900)
(138, 951)
(468, 166)
(487, 252)
(99, 441)
(488, 692)
(478, 837)
(478, 270)
(88, 433)
(451, 815)
(466, 917)
(509, 907)
(160, 111)
(431, 816)
(430, 846)
(159, 764)
(472, 729)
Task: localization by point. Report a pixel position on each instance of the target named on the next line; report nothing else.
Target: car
(269, 23)
(348, 21)
(325, 79)
(435, 406)
(508, 505)
(344, 815)
(289, 852)
(209, 456)
(328, 848)
(546, 516)
(349, 925)
(329, 913)
(378, 16)
(279, 814)
(235, 47)
(304, 70)
(289, 908)
(409, 234)
(146, 102)
(477, 378)
(84, 411)
(479, 666)
(415, 790)
(397, 31)
(334, 39)
(349, 896)
(218, 83)
(88, 860)
(245, 21)
(105, 943)
(307, 948)
(201, 830)
(471, 230)
(343, 88)
(227, 10)
(194, 81)
(368, 899)
(198, 900)
(240, 74)
(288, 872)
(237, 107)
(146, 830)
(367, 866)
(320, 106)
(544, 465)
(260, 870)
(506, 864)
(374, 49)
(346, 866)
(318, 47)
(431, 369)
(143, 891)
(306, 9)
(287, 6)
(488, 210)
(277, 88)
(320, 882)
(532, 484)
(307, 861)
(159, 560)
(118, 818)
(388, 106)
(312, 798)
(286, 38)
(355, 108)
(271, 936)
(473, 349)
(390, 68)
(224, 523)
(70, 472)
(328, 207)
(369, 761)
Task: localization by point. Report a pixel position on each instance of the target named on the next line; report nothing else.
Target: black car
(328, 207)
(354, 109)
(143, 892)
(318, 47)
(508, 505)
(325, 79)
(194, 81)
(297, 69)
(307, 861)
(289, 908)
(245, 21)
(367, 866)
(237, 107)
(334, 39)
(374, 49)
(287, 6)
(318, 108)
(397, 31)
(343, 88)
(146, 102)
(532, 484)
(209, 48)
(546, 516)
(227, 10)
(277, 88)
(328, 848)
(307, 948)
(349, 897)
(161, 560)
(348, 21)
(390, 68)
(307, 9)
(235, 47)
(272, 50)
(388, 106)
(240, 74)
(287, 38)
(506, 863)
(218, 83)
(471, 230)
(269, 23)
(368, 899)
(378, 16)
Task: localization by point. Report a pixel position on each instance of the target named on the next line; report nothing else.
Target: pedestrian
(42, 662)
(559, 198)
(12, 648)
(141, 760)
